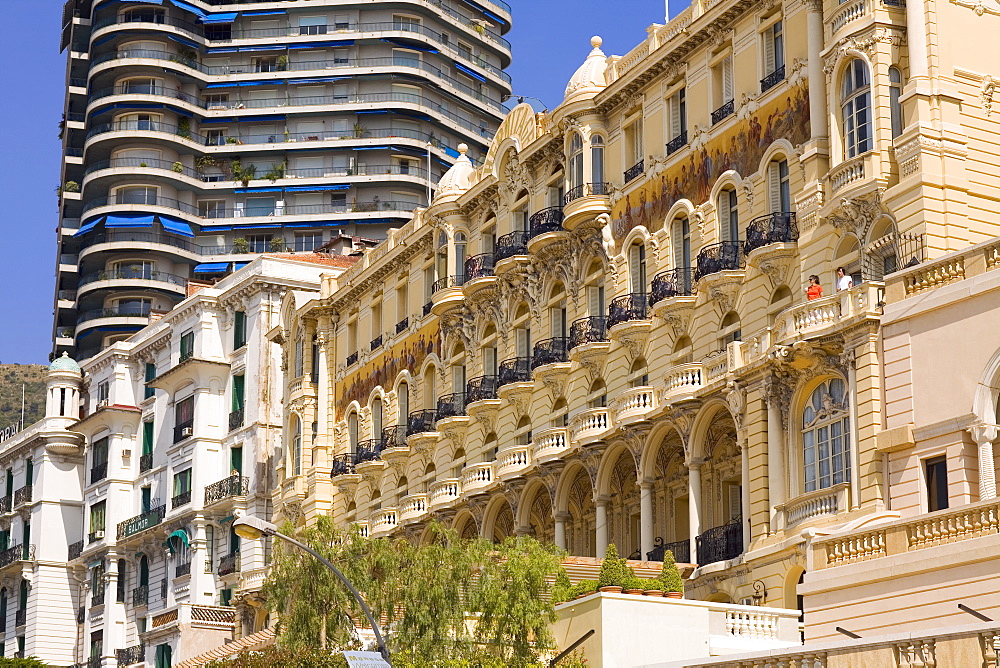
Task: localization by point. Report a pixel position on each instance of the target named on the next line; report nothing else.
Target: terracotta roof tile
(253, 641)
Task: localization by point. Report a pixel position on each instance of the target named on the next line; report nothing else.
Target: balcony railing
(181, 499)
(426, 309)
(481, 388)
(479, 266)
(98, 472)
(419, 422)
(402, 325)
(17, 553)
(183, 430)
(22, 495)
(140, 274)
(772, 79)
(549, 351)
(451, 405)
(352, 359)
(509, 245)
(546, 220)
(235, 419)
(774, 228)
(591, 329)
(94, 536)
(21, 616)
(141, 522)
(342, 465)
(677, 143)
(229, 563)
(723, 112)
(182, 569)
(681, 550)
(145, 462)
(721, 543)
(131, 655)
(634, 171)
(634, 306)
(724, 256)
(140, 596)
(447, 282)
(394, 437)
(376, 343)
(514, 370)
(672, 283)
(75, 550)
(234, 485)
(368, 451)
(97, 596)
(585, 189)
(6, 502)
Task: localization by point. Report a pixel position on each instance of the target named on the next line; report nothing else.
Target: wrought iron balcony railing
(21, 616)
(514, 370)
(229, 563)
(97, 596)
(236, 419)
(141, 522)
(181, 499)
(352, 359)
(394, 437)
(183, 430)
(234, 485)
(772, 79)
(131, 655)
(145, 462)
(451, 405)
(402, 325)
(774, 228)
(677, 143)
(633, 306)
(672, 283)
(426, 309)
(723, 112)
(479, 266)
(481, 388)
(447, 282)
(681, 550)
(550, 351)
(591, 329)
(376, 343)
(509, 245)
(6, 503)
(419, 422)
(634, 171)
(17, 553)
(98, 472)
(720, 543)
(724, 256)
(342, 465)
(368, 451)
(546, 220)
(22, 495)
(585, 189)
(140, 596)
(75, 550)
(182, 569)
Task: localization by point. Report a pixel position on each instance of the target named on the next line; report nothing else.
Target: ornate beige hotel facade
(601, 333)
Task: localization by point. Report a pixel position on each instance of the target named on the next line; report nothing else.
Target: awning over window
(223, 17)
(320, 223)
(269, 226)
(265, 12)
(317, 80)
(407, 45)
(472, 73)
(316, 189)
(239, 265)
(370, 148)
(486, 12)
(211, 268)
(263, 47)
(176, 226)
(89, 225)
(197, 11)
(176, 538)
(262, 189)
(126, 220)
(321, 45)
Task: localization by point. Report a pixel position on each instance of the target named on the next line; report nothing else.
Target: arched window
(597, 164)
(441, 257)
(729, 331)
(895, 108)
(683, 350)
(856, 108)
(297, 445)
(598, 395)
(144, 571)
(729, 219)
(826, 445)
(352, 431)
(522, 435)
(575, 161)
(402, 402)
(560, 413)
(637, 268)
(377, 418)
(460, 253)
(638, 375)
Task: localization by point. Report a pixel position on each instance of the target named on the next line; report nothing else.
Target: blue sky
(550, 39)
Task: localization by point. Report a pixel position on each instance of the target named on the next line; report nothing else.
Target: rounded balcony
(550, 351)
(634, 405)
(770, 235)
(545, 227)
(549, 444)
(514, 371)
(444, 493)
(140, 278)
(446, 293)
(478, 478)
(672, 290)
(726, 256)
(451, 410)
(585, 202)
(412, 508)
(510, 250)
(122, 240)
(683, 382)
(383, 521)
(394, 445)
(480, 273)
(420, 428)
(589, 426)
(481, 388)
(627, 308)
(512, 462)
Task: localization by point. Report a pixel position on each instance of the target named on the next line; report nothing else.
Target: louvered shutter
(768, 50)
(724, 215)
(773, 187)
(675, 115)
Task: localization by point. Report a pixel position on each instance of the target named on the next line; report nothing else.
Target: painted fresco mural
(740, 148)
(407, 355)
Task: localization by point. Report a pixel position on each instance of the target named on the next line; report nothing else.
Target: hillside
(11, 378)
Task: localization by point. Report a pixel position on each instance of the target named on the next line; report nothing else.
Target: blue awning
(265, 12)
(224, 17)
(407, 45)
(222, 49)
(176, 226)
(263, 47)
(260, 119)
(217, 120)
(319, 223)
(243, 191)
(183, 40)
(239, 265)
(268, 82)
(200, 13)
(472, 73)
(317, 80)
(228, 84)
(450, 151)
(321, 45)
(409, 149)
(211, 268)
(262, 226)
(89, 225)
(370, 148)
(372, 111)
(442, 162)
(486, 12)
(127, 220)
(315, 189)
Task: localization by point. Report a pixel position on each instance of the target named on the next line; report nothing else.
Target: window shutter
(768, 50)
(675, 115)
(595, 300)
(727, 79)
(724, 215)
(735, 501)
(522, 342)
(490, 361)
(773, 187)
(633, 266)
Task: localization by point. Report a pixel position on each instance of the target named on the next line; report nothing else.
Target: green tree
(29, 662)
(283, 655)
(670, 575)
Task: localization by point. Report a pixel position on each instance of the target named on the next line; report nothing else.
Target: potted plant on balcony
(184, 128)
(650, 587)
(178, 167)
(71, 187)
(276, 245)
(670, 578)
(241, 245)
(615, 573)
(276, 172)
(584, 588)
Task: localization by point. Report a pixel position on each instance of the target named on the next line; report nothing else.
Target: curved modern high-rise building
(200, 132)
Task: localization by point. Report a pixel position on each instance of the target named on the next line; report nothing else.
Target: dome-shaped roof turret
(64, 363)
(457, 179)
(589, 79)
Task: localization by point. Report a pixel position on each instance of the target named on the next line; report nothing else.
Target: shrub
(614, 571)
(670, 576)
(562, 589)
(584, 587)
(71, 187)
(178, 167)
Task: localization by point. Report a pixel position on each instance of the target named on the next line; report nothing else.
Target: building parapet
(951, 268)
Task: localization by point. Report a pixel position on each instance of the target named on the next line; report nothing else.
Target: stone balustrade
(550, 443)
(444, 493)
(412, 507)
(477, 477)
(512, 461)
(682, 382)
(589, 425)
(634, 405)
(383, 521)
(954, 267)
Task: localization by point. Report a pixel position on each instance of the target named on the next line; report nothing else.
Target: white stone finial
(596, 41)
(463, 148)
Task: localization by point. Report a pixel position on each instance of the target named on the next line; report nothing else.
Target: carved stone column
(560, 537)
(694, 505)
(984, 435)
(645, 518)
(601, 517)
(775, 390)
(745, 494)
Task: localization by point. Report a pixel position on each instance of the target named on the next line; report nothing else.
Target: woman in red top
(815, 290)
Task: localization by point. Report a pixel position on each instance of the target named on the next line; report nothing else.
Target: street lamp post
(253, 528)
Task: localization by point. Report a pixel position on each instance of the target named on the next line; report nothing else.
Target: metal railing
(509, 245)
(723, 112)
(585, 189)
(550, 351)
(141, 522)
(450, 405)
(234, 485)
(774, 228)
(394, 437)
(96, 535)
(22, 495)
(181, 499)
(229, 563)
(182, 569)
(479, 266)
(591, 329)
(120, 312)
(677, 143)
(402, 325)
(98, 472)
(130, 274)
(426, 308)
(447, 282)
(420, 422)
(546, 220)
(140, 596)
(514, 370)
(75, 550)
(681, 550)
(633, 306)
(724, 256)
(236, 419)
(21, 616)
(368, 451)
(672, 283)
(131, 655)
(342, 465)
(481, 388)
(772, 79)
(352, 359)
(145, 462)
(5, 504)
(720, 543)
(376, 343)
(183, 430)
(634, 171)
(225, 212)
(17, 553)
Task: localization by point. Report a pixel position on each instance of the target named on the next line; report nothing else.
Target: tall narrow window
(936, 471)
(296, 445)
(855, 105)
(99, 460)
(677, 109)
(187, 345)
(826, 443)
(779, 194)
(403, 402)
(774, 49)
(239, 329)
(297, 360)
(352, 431)
(682, 243)
(633, 145)
(182, 489)
(460, 254)
(146, 461)
(597, 164)
(895, 108)
(377, 418)
(637, 268)
(575, 172)
(729, 220)
(150, 375)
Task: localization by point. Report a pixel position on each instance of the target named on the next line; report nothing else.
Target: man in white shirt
(844, 280)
